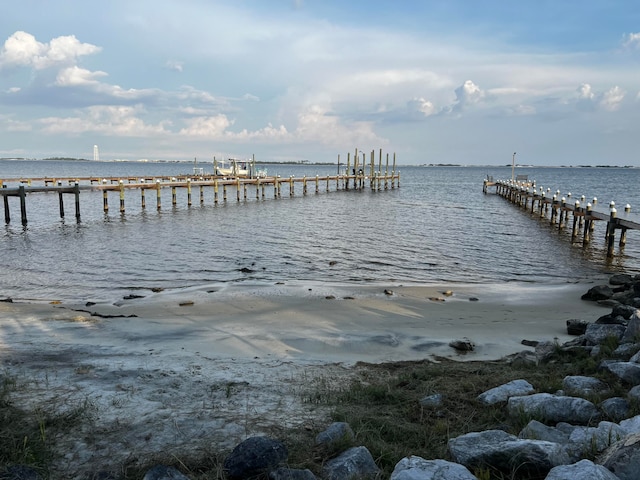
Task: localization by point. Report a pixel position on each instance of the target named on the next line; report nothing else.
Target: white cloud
(423, 106)
(468, 94)
(74, 76)
(590, 100)
(23, 50)
(213, 127)
(612, 98)
(631, 40)
(109, 120)
(174, 65)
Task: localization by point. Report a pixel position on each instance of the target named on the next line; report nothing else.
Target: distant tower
(96, 154)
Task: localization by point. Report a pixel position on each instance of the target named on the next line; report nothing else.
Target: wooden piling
(121, 196)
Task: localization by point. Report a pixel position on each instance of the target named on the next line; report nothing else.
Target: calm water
(437, 227)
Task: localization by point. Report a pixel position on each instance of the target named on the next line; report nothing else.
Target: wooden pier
(564, 211)
(262, 187)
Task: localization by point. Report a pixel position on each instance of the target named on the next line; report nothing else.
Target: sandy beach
(164, 372)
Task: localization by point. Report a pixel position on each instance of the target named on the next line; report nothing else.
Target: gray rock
(549, 408)
(579, 385)
(503, 392)
(499, 450)
(625, 351)
(625, 311)
(255, 456)
(591, 440)
(623, 458)
(545, 350)
(356, 462)
(162, 472)
(576, 326)
(626, 371)
(337, 432)
(599, 292)
(615, 408)
(584, 470)
(634, 393)
(631, 425)
(597, 333)
(417, 468)
(635, 358)
(283, 473)
(536, 430)
(632, 333)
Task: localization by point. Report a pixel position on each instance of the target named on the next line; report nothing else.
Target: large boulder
(356, 462)
(597, 333)
(599, 292)
(623, 458)
(626, 371)
(579, 385)
(417, 468)
(584, 470)
(632, 333)
(592, 440)
(499, 450)
(536, 430)
(336, 433)
(283, 473)
(549, 408)
(255, 456)
(503, 392)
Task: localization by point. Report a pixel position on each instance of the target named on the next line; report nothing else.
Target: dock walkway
(363, 174)
(584, 215)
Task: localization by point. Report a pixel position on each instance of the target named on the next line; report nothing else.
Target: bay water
(436, 228)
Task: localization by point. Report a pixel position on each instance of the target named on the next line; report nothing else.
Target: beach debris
(462, 345)
(447, 293)
(330, 297)
(132, 297)
(157, 289)
(246, 270)
(186, 303)
(473, 299)
(55, 302)
(349, 298)
(6, 300)
(436, 299)
(388, 292)
(332, 263)
(89, 304)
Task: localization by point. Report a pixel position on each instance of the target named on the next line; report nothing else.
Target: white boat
(234, 168)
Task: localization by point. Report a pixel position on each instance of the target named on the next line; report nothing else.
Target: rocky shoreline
(590, 429)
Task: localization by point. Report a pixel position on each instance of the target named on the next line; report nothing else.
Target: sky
(432, 81)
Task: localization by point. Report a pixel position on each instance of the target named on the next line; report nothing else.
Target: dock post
(201, 194)
(275, 187)
(215, 191)
(158, 194)
(238, 189)
(174, 200)
(224, 192)
(23, 204)
(623, 230)
(304, 184)
(346, 187)
(143, 203)
(263, 187)
(258, 188)
(317, 180)
(586, 233)
(76, 193)
(611, 231)
(7, 214)
(105, 198)
(61, 202)
(121, 196)
(574, 230)
(188, 192)
(393, 172)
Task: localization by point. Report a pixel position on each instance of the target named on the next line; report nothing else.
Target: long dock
(21, 188)
(559, 209)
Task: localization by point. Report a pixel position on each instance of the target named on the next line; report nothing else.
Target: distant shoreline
(304, 162)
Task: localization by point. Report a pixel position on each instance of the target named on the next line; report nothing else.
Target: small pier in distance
(566, 211)
(356, 177)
